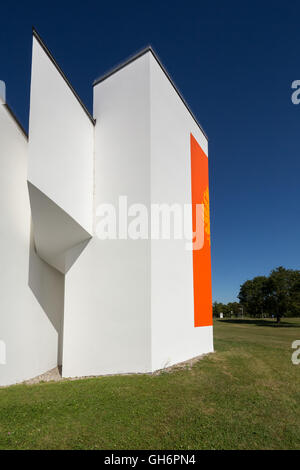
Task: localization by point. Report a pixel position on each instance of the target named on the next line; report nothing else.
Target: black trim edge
(12, 114)
(49, 54)
(137, 56)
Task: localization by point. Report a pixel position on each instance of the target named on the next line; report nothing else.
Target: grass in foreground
(245, 396)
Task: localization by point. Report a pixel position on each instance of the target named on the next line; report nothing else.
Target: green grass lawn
(245, 396)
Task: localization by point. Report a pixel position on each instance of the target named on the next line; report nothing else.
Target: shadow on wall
(48, 287)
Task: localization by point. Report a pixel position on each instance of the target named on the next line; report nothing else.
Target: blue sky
(234, 62)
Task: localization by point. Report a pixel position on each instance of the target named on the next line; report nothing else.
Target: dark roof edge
(122, 65)
(12, 114)
(137, 56)
(49, 54)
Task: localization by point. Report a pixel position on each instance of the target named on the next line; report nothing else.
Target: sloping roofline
(49, 54)
(12, 114)
(137, 56)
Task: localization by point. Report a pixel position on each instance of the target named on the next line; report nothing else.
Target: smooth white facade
(61, 165)
(95, 306)
(129, 303)
(108, 293)
(173, 335)
(32, 292)
(61, 141)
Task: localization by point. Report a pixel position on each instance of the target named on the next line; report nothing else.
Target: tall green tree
(253, 295)
(283, 292)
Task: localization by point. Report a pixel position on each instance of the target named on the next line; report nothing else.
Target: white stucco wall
(123, 305)
(107, 296)
(129, 303)
(173, 335)
(60, 141)
(61, 164)
(31, 292)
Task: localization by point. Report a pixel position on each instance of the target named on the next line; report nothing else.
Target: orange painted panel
(201, 257)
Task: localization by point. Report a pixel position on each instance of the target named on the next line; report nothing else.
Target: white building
(68, 297)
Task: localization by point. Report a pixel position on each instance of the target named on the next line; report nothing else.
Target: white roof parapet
(51, 57)
(156, 57)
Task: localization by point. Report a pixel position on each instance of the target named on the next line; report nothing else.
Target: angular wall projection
(58, 238)
(61, 163)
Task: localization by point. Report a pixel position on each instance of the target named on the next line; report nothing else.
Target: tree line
(276, 295)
